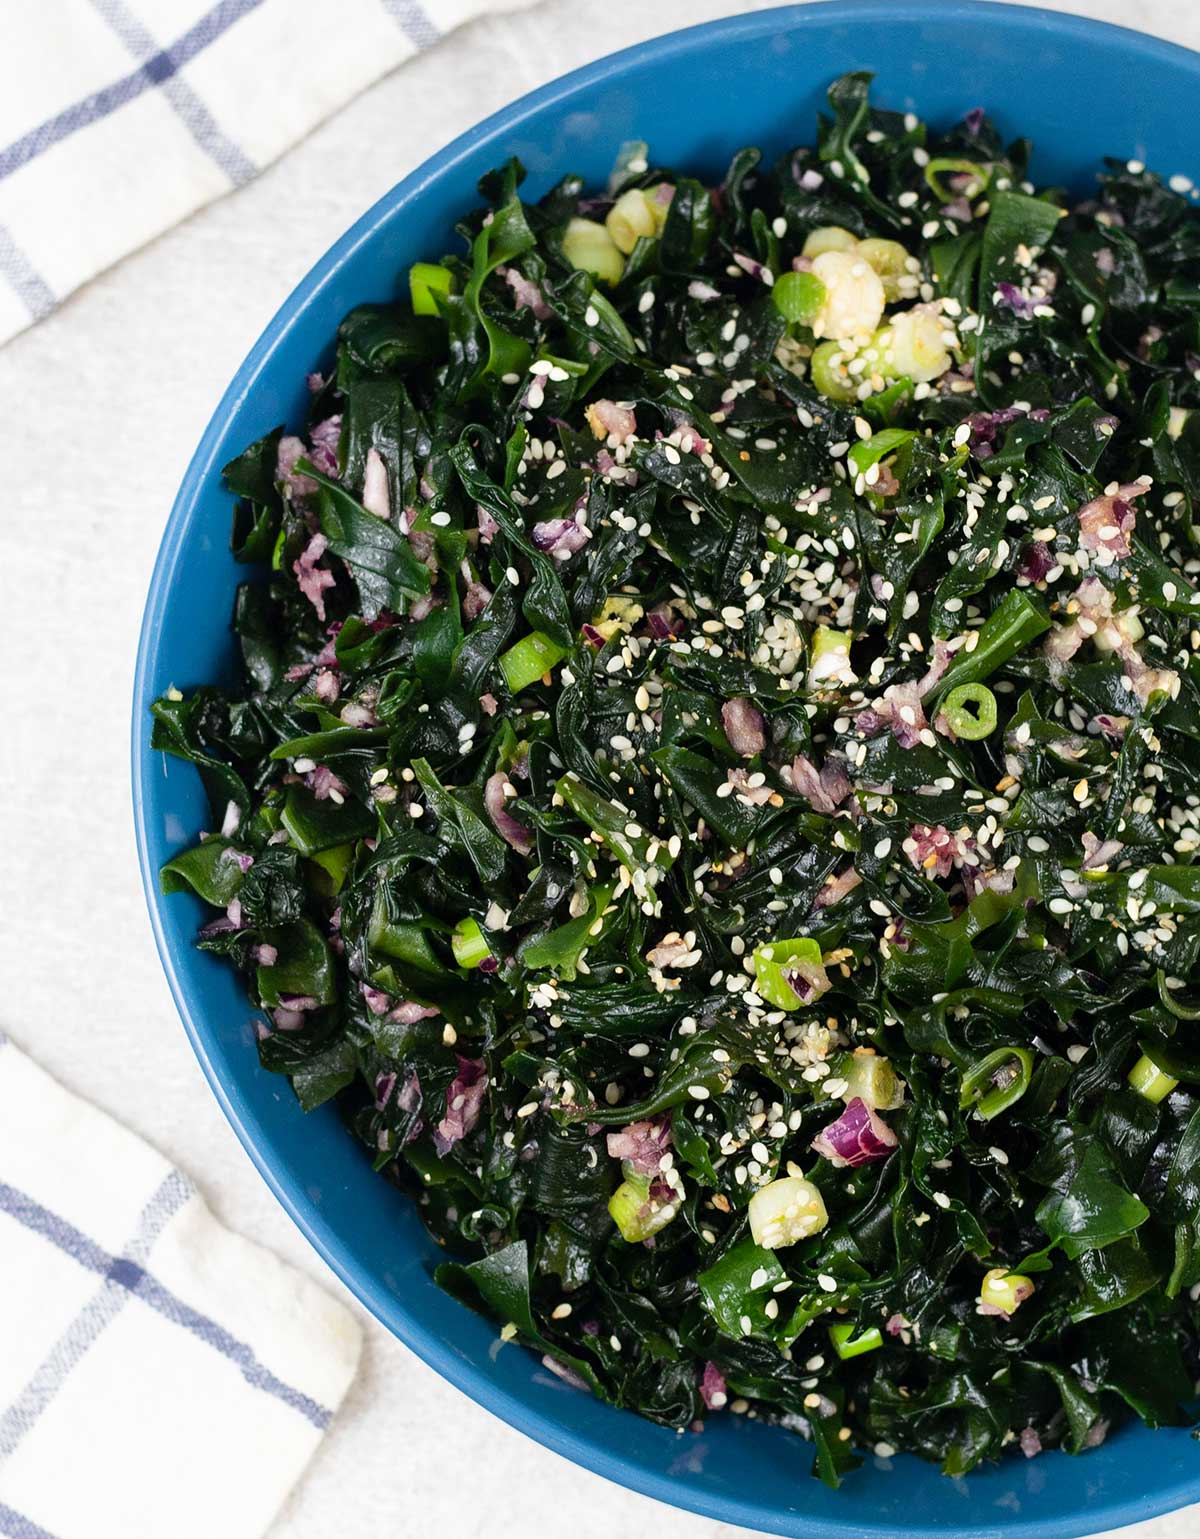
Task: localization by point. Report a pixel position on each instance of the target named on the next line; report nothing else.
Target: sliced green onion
(1005, 1290)
(847, 1345)
(798, 296)
(636, 1214)
(831, 377)
(997, 1082)
(1171, 1002)
(1149, 1080)
(947, 165)
(771, 965)
(1016, 621)
(589, 246)
(469, 944)
(426, 280)
(971, 711)
(529, 660)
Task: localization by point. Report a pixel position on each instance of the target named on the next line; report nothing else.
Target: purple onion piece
(642, 1144)
(744, 727)
(464, 1103)
(494, 800)
(858, 1137)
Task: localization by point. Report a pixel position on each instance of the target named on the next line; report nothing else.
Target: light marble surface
(102, 405)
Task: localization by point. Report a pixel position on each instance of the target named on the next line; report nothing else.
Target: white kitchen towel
(160, 1377)
(118, 118)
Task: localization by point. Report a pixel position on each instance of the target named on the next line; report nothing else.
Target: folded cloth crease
(116, 123)
(182, 1375)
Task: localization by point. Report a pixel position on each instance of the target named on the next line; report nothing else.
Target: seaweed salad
(712, 790)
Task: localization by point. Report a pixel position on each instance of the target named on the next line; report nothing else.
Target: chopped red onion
(477, 596)
(515, 834)
(985, 426)
(642, 1144)
(526, 294)
(935, 850)
(324, 439)
(355, 713)
(410, 1092)
(312, 579)
(976, 880)
(488, 704)
(378, 1003)
(560, 537)
(326, 687)
(713, 1389)
(836, 888)
(1112, 726)
(744, 727)
(824, 791)
(1022, 305)
(662, 624)
(1031, 1444)
(1098, 852)
(488, 527)
(325, 785)
(749, 795)
(896, 1324)
(807, 980)
(464, 1103)
(1036, 560)
(384, 1085)
(290, 481)
(858, 1137)
(375, 486)
(408, 1013)
(899, 709)
(1106, 523)
(753, 266)
(265, 955)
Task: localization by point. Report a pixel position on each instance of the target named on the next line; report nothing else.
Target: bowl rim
(387, 1308)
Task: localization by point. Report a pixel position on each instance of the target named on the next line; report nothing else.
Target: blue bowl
(1081, 90)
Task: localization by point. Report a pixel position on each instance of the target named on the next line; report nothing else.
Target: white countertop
(101, 406)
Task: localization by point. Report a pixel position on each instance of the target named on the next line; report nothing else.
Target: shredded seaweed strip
(713, 789)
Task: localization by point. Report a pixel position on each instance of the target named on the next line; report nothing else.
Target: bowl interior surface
(1079, 90)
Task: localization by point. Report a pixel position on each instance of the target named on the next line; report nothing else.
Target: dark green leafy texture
(705, 771)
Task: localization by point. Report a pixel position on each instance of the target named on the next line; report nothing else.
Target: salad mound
(713, 787)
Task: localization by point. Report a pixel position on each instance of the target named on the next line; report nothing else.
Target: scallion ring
(971, 711)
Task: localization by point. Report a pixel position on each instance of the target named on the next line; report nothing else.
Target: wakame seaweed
(713, 790)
